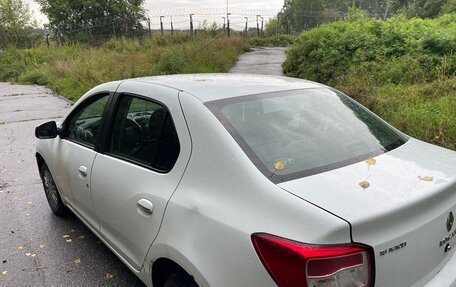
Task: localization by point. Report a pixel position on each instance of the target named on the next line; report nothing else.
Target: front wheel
(180, 280)
(52, 193)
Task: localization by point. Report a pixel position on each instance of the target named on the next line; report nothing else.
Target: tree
(449, 7)
(16, 26)
(425, 8)
(303, 14)
(94, 17)
(272, 27)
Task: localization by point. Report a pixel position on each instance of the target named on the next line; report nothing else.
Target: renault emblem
(450, 220)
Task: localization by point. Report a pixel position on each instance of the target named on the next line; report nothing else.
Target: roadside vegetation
(402, 69)
(272, 41)
(71, 70)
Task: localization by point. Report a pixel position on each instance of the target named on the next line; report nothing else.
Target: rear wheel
(180, 280)
(52, 193)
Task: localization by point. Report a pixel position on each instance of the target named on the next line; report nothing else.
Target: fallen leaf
(370, 161)
(72, 230)
(77, 261)
(364, 184)
(4, 272)
(279, 165)
(42, 246)
(68, 240)
(66, 236)
(29, 202)
(28, 254)
(33, 254)
(426, 178)
(109, 276)
(81, 237)
(22, 247)
(41, 267)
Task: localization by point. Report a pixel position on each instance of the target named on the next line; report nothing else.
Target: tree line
(300, 15)
(92, 20)
(83, 20)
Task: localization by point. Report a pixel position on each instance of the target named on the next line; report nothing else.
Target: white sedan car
(242, 180)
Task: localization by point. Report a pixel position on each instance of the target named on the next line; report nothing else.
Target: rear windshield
(298, 133)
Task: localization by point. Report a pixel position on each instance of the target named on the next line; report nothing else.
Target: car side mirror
(47, 131)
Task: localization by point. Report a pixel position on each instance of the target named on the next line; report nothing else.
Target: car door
(143, 160)
(76, 153)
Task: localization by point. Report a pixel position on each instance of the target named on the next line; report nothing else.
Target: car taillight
(295, 264)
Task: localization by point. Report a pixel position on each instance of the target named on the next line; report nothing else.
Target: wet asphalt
(266, 61)
(38, 248)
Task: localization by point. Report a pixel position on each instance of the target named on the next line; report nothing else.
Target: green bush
(37, 77)
(325, 53)
(171, 62)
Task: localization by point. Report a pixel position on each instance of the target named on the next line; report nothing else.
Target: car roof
(210, 87)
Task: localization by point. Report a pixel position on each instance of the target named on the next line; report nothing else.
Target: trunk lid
(403, 214)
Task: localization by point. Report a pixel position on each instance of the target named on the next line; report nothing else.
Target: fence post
(172, 28)
(161, 24)
(47, 41)
(191, 25)
(246, 23)
(150, 30)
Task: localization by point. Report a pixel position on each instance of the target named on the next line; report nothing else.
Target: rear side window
(143, 132)
(294, 134)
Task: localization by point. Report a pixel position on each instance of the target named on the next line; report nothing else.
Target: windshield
(298, 133)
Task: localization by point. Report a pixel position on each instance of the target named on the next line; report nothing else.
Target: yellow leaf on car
(370, 161)
(109, 275)
(22, 247)
(28, 254)
(426, 178)
(364, 184)
(279, 165)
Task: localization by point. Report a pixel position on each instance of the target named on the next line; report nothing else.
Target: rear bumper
(446, 277)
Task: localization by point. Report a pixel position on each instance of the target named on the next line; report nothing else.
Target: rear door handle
(146, 206)
(82, 171)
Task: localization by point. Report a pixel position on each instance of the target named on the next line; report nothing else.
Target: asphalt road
(266, 61)
(36, 247)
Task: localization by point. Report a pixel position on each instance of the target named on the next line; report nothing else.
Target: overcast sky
(210, 10)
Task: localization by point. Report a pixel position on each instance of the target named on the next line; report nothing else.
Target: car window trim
(90, 99)
(104, 145)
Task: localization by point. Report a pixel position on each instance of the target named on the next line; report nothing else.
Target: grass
(71, 70)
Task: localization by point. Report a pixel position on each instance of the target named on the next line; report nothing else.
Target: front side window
(143, 132)
(299, 133)
(84, 126)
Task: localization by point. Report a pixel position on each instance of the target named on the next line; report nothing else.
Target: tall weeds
(71, 70)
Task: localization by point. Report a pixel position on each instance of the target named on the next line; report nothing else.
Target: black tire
(52, 193)
(180, 280)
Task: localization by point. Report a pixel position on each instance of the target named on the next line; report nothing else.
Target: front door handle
(82, 171)
(146, 206)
